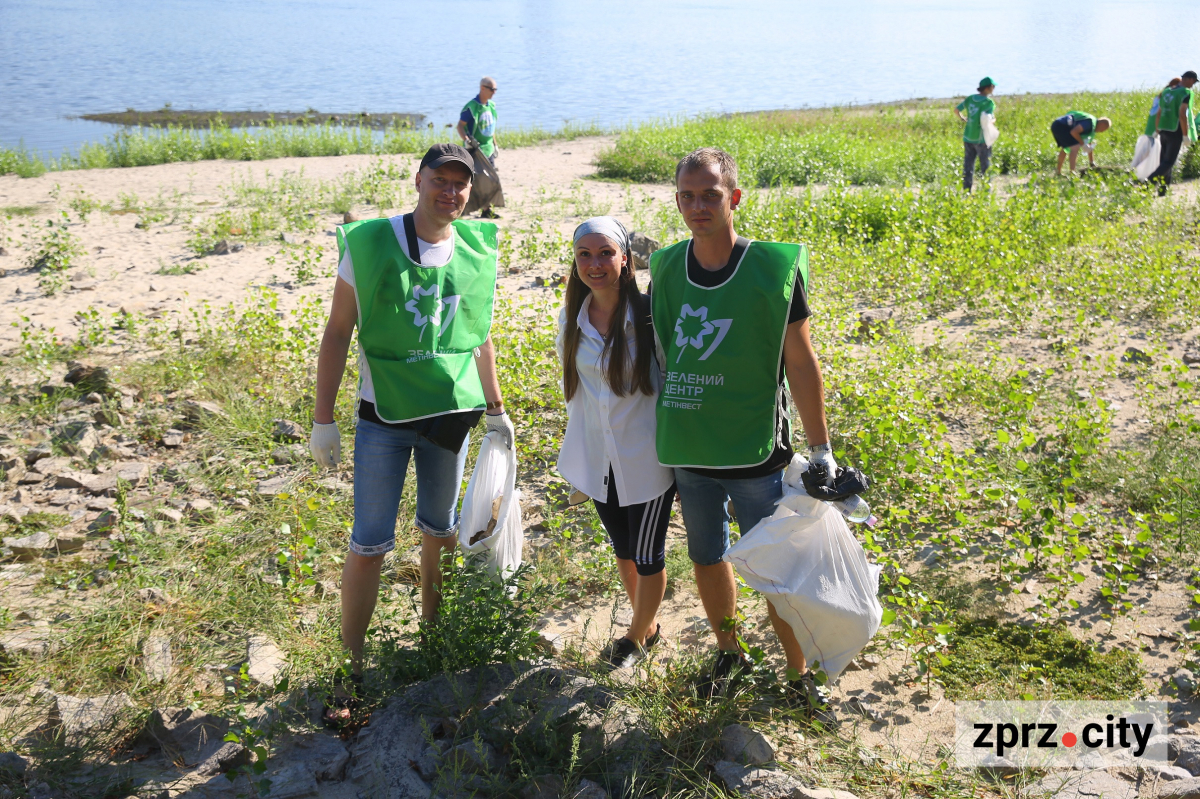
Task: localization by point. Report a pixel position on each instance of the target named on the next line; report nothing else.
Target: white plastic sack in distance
(990, 132)
(1146, 156)
(816, 574)
(495, 476)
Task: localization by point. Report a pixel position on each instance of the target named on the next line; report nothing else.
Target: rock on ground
(157, 660)
(1180, 789)
(266, 660)
(756, 782)
(1186, 752)
(1062, 784)
(287, 430)
(81, 718)
(187, 735)
(744, 745)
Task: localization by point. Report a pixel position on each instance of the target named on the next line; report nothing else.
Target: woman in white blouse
(611, 380)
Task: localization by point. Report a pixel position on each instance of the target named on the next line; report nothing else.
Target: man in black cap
(420, 289)
(1176, 116)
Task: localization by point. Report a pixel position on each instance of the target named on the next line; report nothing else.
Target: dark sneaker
(621, 654)
(651, 640)
(814, 699)
(725, 671)
(488, 213)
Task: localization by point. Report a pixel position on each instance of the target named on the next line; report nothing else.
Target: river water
(612, 62)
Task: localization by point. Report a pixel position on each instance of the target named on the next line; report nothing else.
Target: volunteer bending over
(611, 380)
(420, 289)
(732, 318)
(1074, 131)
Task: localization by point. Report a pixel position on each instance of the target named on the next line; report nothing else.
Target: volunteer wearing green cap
(731, 319)
(420, 290)
(974, 145)
(477, 125)
(1175, 121)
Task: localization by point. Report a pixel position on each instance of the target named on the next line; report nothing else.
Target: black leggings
(638, 532)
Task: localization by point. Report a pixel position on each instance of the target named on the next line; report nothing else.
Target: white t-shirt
(432, 255)
(606, 432)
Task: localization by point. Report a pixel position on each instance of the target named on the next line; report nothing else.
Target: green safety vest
(1168, 107)
(418, 326)
(721, 395)
(1076, 117)
(484, 129)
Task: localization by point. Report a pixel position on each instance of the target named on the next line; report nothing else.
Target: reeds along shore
(915, 142)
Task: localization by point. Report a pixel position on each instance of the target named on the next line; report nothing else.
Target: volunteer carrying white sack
(732, 318)
(420, 289)
(612, 380)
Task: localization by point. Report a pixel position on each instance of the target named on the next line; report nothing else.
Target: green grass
(917, 142)
(991, 660)
(148, 146)
(980, 416)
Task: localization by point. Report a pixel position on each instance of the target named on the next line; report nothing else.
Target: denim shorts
(704, 515)
(381, 456)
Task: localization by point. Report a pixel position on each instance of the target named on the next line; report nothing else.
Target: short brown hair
(708, 157)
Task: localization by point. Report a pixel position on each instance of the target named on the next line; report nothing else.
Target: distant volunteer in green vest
(974, 145)
(731, 319)
(1074, 131)
(420, 289)
(1175, 122)
(1152, 121)
(477, 121)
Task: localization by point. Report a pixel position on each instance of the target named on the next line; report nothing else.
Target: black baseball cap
(446, 153)
(1191, 73)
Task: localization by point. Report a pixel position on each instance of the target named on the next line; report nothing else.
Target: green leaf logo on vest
(693, 327)
(426, 312)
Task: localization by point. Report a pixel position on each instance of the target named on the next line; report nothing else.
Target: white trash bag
(490, 523)
(990, 132)
(816, 574)
(1146, 156)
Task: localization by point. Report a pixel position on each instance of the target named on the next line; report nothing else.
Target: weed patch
(993, 660)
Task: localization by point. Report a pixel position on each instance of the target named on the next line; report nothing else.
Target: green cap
(983, 84)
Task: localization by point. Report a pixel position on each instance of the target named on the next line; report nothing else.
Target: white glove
(823, 455)
(325, 444)
(502, 424)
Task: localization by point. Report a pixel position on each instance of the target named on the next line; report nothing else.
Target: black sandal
(346, 695)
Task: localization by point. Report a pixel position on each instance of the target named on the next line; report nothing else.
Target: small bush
(54, 253)
(481, 620)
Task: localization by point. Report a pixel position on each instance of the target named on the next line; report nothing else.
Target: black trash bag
(485, 186)
(847, 483)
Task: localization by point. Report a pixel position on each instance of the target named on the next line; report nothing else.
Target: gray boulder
(1186, 752)
(756, 782)
(186, 735)
(744, 745)
(1180, 789)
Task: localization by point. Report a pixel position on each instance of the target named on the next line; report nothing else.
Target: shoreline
(206, 120)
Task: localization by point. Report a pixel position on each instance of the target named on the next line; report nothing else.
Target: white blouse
(604, 430)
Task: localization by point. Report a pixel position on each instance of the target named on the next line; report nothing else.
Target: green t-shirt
(976, 105)
(1168, 107)
(483, 123)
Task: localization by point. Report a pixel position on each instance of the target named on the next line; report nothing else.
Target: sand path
(144, 270)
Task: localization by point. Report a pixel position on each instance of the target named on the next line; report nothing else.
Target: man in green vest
(477, 124)
(420, 289)
(1174, 123)
(974, 145)
(731, 319)
(1074, 131)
